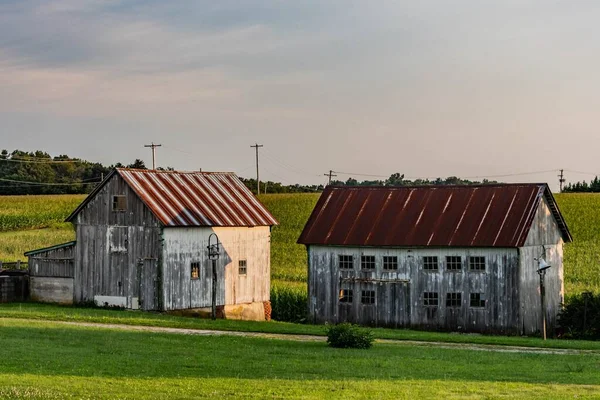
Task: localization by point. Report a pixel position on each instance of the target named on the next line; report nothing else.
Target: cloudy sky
(425, 88)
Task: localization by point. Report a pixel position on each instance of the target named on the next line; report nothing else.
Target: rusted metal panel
(438, 216)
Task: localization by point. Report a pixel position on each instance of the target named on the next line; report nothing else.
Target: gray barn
(436, 257)
(141, 242)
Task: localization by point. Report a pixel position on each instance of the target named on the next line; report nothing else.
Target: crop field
(21, 216)
(91, 362)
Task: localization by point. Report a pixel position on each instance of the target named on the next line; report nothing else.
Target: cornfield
(32, 212)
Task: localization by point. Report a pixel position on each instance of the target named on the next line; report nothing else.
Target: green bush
(350, 336)
(580, 317)
(289, 304)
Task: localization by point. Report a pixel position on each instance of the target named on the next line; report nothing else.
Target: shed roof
(45, 249)
(193, 198)
(498, 215)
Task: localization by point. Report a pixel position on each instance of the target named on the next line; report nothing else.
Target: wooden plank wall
(399, 294)
(56, 263)
(182, 246)
(111, 244)
(544, 233)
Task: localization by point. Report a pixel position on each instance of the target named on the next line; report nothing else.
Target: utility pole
(561, 179)
(256, 146)
(153, 146)
(330, 175)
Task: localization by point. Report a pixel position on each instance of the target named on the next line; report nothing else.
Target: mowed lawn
(41, 360)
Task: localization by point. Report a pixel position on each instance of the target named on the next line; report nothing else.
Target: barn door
(148, 281)
(393, 304)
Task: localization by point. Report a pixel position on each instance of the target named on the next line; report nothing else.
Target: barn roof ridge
(485, 215)
(160, 171)
(191, 198)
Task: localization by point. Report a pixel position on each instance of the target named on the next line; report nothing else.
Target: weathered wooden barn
(436, 257)
(141, 242)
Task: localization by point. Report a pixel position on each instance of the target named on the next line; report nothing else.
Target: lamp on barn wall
(542, 267)
(214, 251)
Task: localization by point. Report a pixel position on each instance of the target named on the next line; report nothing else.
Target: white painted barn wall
(182, 246)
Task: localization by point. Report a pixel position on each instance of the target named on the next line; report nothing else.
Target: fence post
(0, 264)
(18, 264)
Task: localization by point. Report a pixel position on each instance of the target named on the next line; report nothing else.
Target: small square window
(367, 297)
(195, 270)
(367, 262)
(430, 263)
(477, 263)
(346, 296)
(453, 263)
(346, 262)
(242, 267)
(119, 203)
(430, 299)
(390, 262)
(477, 300)
(453, 299)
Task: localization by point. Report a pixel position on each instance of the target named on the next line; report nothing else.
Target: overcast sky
(425, 88)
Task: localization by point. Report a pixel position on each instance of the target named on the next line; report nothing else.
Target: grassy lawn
(44, 360)
(58, 313)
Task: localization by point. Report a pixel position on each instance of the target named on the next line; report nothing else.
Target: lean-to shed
(436, 257)
(142, 237)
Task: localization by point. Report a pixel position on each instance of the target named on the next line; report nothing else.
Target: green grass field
(18, 215)
(41, 360)
(50, 312)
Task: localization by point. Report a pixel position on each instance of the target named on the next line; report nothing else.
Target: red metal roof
(194, 198)
(457, 216)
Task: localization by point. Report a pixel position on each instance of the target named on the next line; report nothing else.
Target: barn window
(430, 299)
(430, 263)
(195, 270)
(346, 262)
(390, 262)
(346, 296)
(477, 263)
(476, 300)
(453, 299)
(119, 203)
(453, 263)
(367, 262)
(242, 267)
(367, 297)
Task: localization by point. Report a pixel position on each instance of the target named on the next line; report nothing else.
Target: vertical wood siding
(399, 293)
(182, 246)
(57, 263)
(544, 233)
(111, 245)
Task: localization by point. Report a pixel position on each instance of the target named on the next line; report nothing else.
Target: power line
(257, 146)
(287, 166)
(48, 183)
(330, 175)
(153, 146)
(43, 162)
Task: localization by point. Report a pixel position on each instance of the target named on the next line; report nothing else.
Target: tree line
(37, 172)
(583, 187)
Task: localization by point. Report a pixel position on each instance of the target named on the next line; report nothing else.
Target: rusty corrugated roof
(457, 216)
(194, 198)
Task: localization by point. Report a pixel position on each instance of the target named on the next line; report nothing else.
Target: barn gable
(429, 216)
(188, 198)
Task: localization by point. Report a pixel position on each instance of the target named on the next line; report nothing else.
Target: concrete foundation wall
(51, 290)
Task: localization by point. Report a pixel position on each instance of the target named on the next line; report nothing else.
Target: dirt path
(313, 338)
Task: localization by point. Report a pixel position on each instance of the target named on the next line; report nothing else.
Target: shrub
(289, 304)
(580, 317)
(346, 335)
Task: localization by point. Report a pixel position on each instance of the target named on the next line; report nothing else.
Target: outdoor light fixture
(542, 267)
(214, 250)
